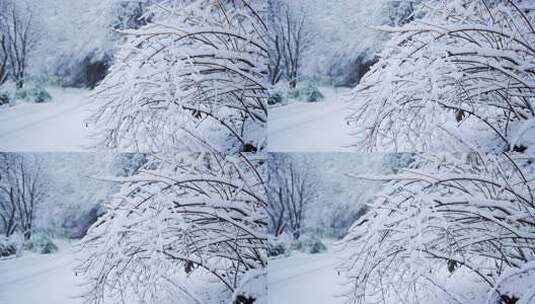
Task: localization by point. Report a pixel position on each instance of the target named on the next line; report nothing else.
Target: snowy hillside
(58, 125)
(311, 126)
(47, 279)
(311, 279)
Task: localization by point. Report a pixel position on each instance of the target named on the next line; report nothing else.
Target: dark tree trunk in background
(3, 58)
(27, 235)
(21, 190)
(95, 72)
(8, 211)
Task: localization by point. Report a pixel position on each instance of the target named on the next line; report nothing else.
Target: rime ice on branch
(182, 220)
(193, 78)
(453, 229)
(459, 78)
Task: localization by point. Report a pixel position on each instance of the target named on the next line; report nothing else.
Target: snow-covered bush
(275, 98)
(35, 94)
(453, 229)
(294, 93)
(5, 98)
(284, 245)
(309, 244)
(192, 79)
(305, 91)
(459, 78)
(39, 95)
(278, 245)
(16, 244)
(8, 247)
(40, 243)
(181, 220)
(311, 93)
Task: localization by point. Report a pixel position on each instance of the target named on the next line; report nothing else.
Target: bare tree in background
(3, 48)
(8, 207)
(21, 190)
(3, 58)
(292, 187)
(277, 209)
(289, 38)
(16, 40)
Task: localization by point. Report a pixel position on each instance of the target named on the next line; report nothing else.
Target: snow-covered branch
(180, 216)
(466, 65)
(193, 78)
(450, 217)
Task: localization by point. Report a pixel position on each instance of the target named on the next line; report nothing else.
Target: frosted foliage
(345, 29)
(449, 219)
(181, 220)
(192, 79)
(339, 198)
(71, 31)
(74, 187)
(459, 78)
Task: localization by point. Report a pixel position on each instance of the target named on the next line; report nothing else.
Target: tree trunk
(27, 234)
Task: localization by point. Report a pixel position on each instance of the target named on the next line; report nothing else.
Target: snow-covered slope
(310, 279)
(53, 126)
(44, 279)
(311, 127)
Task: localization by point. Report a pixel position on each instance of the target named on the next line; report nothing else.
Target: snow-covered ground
(43, 279)
(302, 278)
(311, 127)
(52, 126)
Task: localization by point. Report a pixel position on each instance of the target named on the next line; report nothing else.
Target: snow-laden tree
(22, 189)
(181, 222)
(18, 35)
(459, 78)
(451, 229)
(193, 78)
(292, 187)
(289, 36)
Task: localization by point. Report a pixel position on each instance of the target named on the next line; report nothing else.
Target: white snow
(53, 126)
(44, 279)
(306, 279)
(311, 127)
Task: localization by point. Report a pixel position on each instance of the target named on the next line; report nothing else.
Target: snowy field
(43, 279)
(311, 127)
(52, 126)
(303, 278)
